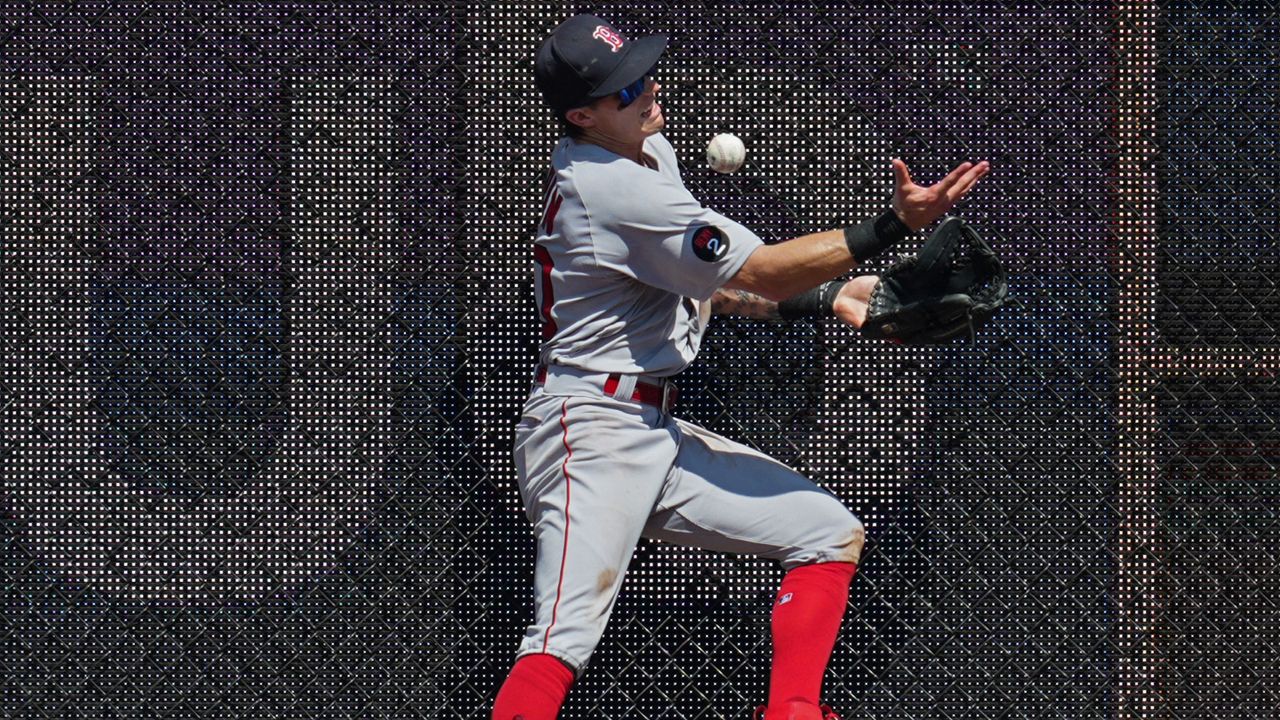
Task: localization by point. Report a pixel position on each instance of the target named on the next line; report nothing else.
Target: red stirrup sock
(806, 619)
(534, 690)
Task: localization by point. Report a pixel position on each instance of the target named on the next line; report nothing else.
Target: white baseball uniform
(626, 261)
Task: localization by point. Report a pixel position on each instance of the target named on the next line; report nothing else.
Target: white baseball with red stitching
(726, 153)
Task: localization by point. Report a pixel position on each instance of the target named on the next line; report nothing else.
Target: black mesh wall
(268, 323)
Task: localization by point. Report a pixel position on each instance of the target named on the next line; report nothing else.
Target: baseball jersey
(626, 261)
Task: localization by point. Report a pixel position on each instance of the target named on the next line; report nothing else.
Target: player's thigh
(594, 464)
(725, 496)
(590, 472)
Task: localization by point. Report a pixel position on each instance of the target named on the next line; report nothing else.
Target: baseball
(726, 153)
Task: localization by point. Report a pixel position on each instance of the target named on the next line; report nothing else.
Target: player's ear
(583, 117)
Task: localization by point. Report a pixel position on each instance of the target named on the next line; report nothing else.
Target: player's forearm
(780, 271)
(745, 304)
(777, 272)
(846, 301)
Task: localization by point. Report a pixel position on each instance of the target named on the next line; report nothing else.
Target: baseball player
(628, 268)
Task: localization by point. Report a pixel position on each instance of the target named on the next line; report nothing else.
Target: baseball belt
(661, 394)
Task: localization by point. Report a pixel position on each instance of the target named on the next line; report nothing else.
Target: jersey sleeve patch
(709, 242)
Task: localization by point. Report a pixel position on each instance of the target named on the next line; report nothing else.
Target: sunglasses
(632, 92)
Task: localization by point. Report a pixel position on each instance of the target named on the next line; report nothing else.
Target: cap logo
(606, 33)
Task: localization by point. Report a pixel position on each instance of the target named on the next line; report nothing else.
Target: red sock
(806, 619)
(534, 690)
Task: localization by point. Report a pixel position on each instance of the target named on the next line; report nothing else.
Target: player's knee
(834, 535)
(849, 540)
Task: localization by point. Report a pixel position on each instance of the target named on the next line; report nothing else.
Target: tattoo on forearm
(746, 304)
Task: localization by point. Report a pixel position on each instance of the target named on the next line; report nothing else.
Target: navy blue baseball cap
(586, 58)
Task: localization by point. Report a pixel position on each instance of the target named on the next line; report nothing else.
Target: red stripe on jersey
(564, 553)
(543, 259)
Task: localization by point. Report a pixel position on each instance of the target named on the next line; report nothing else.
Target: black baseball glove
(950, 290)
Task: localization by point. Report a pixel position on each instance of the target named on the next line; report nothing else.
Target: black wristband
(875, 235)
(817, 302)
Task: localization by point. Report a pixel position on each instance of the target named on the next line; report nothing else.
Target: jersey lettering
(546, 296)
(551, 206)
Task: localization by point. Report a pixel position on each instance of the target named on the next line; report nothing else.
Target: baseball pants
(597, 473)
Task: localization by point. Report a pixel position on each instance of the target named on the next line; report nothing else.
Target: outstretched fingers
(945, 184)
(961, 180)
(964, 181)
(918, 206)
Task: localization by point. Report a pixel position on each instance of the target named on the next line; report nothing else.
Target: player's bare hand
(918, 206)
(851, 303)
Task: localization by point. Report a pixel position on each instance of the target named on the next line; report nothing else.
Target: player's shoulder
(609, 184)
(589, 160)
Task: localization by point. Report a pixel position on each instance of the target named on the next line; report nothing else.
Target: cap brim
(644, 54)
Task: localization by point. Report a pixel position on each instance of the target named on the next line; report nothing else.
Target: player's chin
(654, 124)
(654, 120)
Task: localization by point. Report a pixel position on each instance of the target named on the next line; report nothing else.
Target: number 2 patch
(709, 243)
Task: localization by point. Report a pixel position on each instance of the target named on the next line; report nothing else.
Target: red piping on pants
(564, 554)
